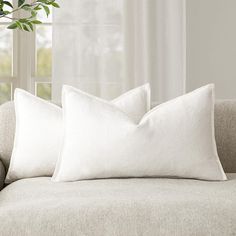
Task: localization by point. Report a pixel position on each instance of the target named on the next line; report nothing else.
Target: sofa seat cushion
(119, 207)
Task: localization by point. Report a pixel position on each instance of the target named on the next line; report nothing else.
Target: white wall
(211, 45)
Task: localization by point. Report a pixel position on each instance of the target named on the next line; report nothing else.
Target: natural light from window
(39, 49)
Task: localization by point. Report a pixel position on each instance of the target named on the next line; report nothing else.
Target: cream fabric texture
(7, 131)
(39, 130)
(225, 132)
(119, 207)
(174, 139)
(2, 175)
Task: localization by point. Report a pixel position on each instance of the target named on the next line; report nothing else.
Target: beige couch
(121, 207)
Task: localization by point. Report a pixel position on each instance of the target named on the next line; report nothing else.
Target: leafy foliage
(26, 23)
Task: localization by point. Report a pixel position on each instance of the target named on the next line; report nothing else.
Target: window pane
(5, 51)
(43, 90)
(5, 92)
(44, 50)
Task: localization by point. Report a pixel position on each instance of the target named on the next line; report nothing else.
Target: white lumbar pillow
(39, 130)
(174, 139)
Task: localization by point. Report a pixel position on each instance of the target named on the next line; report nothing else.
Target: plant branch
(26, 23)
(10, 18)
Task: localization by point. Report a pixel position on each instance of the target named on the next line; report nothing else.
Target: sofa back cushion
(7, 131)
(225, 131)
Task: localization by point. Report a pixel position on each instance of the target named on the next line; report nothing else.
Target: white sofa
(121, 207)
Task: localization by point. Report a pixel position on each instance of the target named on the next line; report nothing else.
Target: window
(26, 59)
(6, 62)
(43, 57)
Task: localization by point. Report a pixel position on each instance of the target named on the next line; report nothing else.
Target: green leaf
(20, 2)
(55, 5)
(24, 20)
(37, 8)
(46, 9)
(25, 28)
(19, 25)
(26, 5)
(7, 3)
(26, 8)
(6, 12)
(31, 26)
(42, 1)
(12, 26)
(33, 13)
(36, 22)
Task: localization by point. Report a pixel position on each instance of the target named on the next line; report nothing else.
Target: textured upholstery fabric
(119, 207)
(7, 131)
(225, 125)
(2, 175)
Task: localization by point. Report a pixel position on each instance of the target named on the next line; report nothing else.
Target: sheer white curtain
(106, 47)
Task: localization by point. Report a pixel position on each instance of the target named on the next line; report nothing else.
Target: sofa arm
(2, 175)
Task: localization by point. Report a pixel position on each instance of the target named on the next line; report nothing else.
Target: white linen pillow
(174, 139)
(39, 130)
